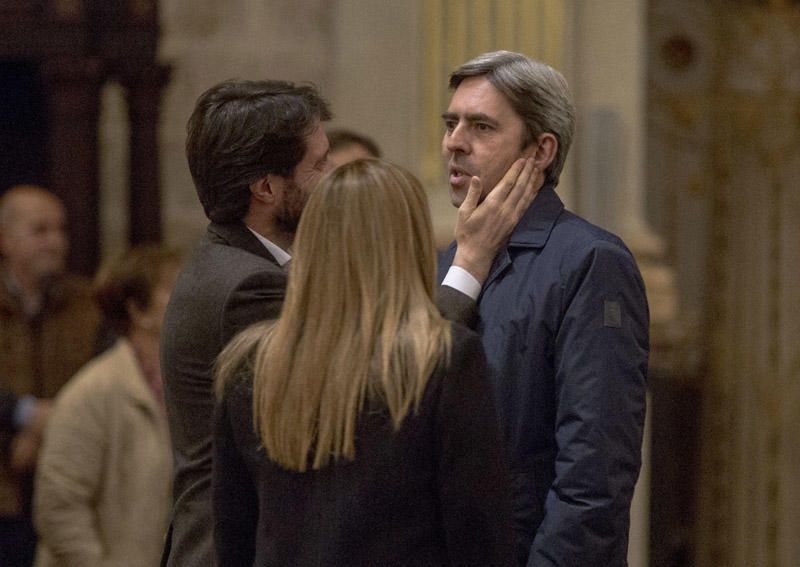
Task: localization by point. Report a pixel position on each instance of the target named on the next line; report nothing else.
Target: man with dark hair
(48, 330)
(347, 146)
(564, 321)
(255, 151)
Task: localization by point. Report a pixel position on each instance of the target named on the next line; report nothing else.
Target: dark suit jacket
(435, 492)
(230, 282)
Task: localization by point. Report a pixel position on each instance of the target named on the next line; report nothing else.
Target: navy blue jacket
(564, 322)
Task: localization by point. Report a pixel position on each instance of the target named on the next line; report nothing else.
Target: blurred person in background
(347, 146)
(103, 484)
(360, 427)
(48, 329)
(16, 414)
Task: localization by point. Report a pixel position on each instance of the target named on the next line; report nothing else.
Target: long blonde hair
(358, 323)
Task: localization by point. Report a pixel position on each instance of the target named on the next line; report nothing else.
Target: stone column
(144, 87)
(610, 66)
(73, 90)
(608, 73)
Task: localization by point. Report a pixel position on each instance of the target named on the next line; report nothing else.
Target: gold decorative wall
(724, 133)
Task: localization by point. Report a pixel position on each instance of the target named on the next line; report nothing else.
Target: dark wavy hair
(241, 131)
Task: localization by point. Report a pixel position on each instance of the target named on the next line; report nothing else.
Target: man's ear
(543, 150)
(267, 189)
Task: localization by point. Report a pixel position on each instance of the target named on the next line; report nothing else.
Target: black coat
(433, 493)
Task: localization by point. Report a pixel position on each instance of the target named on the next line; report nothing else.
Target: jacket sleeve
(457, 306)
(256, 298)
(600, 357)
(189, 388)
(473, 478)
(235, 501)
(69, 476)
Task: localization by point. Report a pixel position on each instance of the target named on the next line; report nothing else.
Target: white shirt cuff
(461, 280)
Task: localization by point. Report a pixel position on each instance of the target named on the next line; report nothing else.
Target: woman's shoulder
(238, 389)
(465, 356)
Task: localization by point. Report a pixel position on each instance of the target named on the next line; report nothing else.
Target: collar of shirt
(281, 256)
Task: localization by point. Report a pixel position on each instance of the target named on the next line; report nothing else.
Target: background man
(347, 146)
(255, 151)
(48, 328)
(564, 322)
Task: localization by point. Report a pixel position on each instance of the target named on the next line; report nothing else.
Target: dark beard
(288, 217)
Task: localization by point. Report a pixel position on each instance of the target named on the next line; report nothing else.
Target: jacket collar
(532, 231)
(56, 293)
(536, 224)
(135, 384)
(237, 234)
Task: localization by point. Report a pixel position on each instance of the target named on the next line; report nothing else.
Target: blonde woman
(359, 428)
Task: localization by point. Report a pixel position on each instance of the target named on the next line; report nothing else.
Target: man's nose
(457, 140)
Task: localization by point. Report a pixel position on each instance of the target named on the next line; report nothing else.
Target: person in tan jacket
(103, 482)
(48, 330)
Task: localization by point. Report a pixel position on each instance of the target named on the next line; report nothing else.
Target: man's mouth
(458, 176)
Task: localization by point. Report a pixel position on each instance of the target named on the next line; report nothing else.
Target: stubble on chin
(457, 196)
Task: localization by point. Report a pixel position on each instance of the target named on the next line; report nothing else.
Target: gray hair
(538, 94)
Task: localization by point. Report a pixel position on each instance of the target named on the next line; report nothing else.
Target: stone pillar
(609, 76)
(73, 90)
(749, 488)
(143, 87)
(610, 66)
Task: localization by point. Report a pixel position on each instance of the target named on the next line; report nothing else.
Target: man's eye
(481, 127)
(450, 125)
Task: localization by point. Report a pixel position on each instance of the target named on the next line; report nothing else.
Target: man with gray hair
(564, 321)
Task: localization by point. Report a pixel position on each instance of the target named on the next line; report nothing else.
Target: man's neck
(28, 288)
